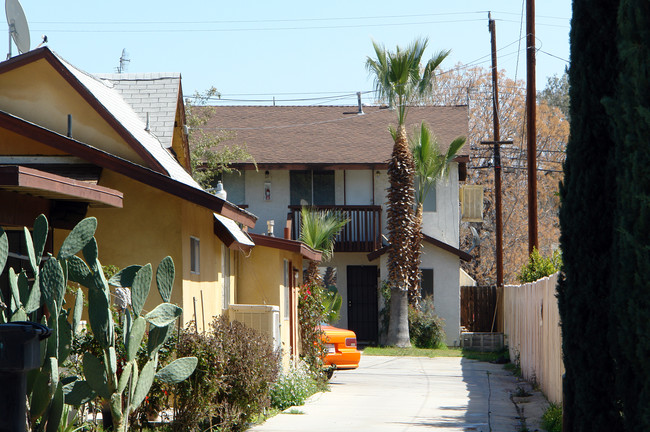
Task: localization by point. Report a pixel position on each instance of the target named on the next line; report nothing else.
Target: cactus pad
(165, 278)
(163, 314)
(140, 288)
(178, 370)
(81, 234)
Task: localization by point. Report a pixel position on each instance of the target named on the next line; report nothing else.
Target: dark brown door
(362, 303)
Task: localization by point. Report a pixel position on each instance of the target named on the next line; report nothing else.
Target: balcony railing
(361, 234)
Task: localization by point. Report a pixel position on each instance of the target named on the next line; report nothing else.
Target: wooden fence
(532, 328)
(477, 305)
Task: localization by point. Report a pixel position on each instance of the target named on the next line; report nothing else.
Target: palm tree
(400, 79)
(318, 230)
(431, 165)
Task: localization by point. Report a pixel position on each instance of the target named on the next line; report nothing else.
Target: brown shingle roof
(328, 135)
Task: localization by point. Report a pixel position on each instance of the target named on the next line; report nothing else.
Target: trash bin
(20, 352)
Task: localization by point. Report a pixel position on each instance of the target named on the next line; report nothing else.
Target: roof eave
(288, 245)
(46, 54)
(127, 168)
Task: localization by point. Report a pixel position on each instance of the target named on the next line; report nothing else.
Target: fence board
(532, 327)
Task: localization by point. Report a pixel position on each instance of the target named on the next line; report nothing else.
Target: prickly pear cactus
(125, 391)
(44, 300)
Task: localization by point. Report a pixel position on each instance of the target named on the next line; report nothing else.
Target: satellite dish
(18, 29)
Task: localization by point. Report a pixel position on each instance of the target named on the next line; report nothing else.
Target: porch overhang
(285, 244)
(231, 235)
(41, 184)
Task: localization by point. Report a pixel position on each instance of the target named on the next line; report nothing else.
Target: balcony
(361, 234)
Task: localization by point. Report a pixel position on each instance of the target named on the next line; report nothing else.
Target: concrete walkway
(417, 393)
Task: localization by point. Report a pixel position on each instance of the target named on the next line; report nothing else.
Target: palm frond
(430, 164)
(398, 74)
(319, 229)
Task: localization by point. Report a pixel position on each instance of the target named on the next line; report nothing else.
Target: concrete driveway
(416, 393)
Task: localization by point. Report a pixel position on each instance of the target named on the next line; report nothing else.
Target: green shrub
(232, 380)
(425, 327)
(294, 387)
(539, 266)
(552, 418)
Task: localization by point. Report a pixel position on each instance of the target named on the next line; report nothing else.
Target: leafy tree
(209, 155)
(472, 86)
(556, 93)
(318, 230)
(431, 165)
(400, 79)
(588, 195)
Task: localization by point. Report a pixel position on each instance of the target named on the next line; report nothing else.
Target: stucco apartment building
(335, 157)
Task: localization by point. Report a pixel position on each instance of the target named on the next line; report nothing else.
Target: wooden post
(531, 126)
(202, 311)
(196, 318)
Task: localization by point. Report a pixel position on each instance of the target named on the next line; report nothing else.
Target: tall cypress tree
(586, 220)
(630, 114)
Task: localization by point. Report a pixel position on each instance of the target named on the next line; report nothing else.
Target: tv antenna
(18, 29)
(124, 60)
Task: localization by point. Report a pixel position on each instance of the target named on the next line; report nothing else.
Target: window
(195, 256)
(234, 184)
(426, 282)
(287, 290)
(471, 203)
(312, 187)
(225, 254)
(429, 204)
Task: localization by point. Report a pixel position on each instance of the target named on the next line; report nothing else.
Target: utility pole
(531, 126)
(496, 143)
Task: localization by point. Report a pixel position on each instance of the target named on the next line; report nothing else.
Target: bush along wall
(237, 366)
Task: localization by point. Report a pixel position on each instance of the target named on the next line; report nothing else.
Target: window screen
(426, 282)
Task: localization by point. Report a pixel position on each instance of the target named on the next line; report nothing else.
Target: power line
(553, 55)
(249, 29)
(259, 21)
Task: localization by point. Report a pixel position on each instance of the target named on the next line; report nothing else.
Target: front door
(362, 303)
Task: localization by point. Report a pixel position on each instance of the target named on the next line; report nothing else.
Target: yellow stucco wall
(204, 287)
(261, 281)
(151, 225)
(37, 93)
(12, 143)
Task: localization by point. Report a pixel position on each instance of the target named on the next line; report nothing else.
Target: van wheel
(330, 373)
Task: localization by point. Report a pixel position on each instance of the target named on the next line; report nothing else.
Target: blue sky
(299, 52)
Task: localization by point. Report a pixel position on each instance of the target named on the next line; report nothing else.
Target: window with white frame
(195, 255)
(225, 271)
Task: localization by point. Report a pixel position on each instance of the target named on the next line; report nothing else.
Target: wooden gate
(477, 308)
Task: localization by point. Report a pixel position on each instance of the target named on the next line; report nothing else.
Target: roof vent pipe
(69, 134)
(147, 128)
(360, 112)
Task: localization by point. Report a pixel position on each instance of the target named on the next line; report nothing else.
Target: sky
(305, 53)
